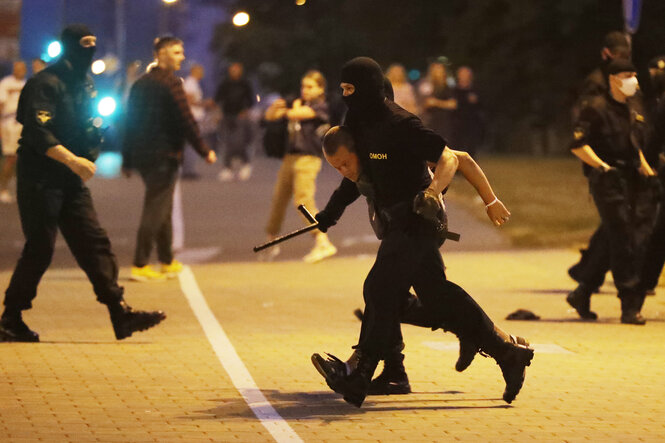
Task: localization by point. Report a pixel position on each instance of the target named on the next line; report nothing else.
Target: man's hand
(82, 167)
(427, 205)
(211, 157)
(498, 213)
(324, 221)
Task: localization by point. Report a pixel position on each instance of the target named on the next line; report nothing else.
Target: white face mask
(628, 86)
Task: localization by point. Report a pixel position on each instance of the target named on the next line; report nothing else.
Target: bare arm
(82, 167)
(588, 156)
(444, 172)
(276, 111)
(300, 112)
(496, 211)
(645, 169)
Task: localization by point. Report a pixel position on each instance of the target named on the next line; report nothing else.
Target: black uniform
(394, 147)
(55, 108)
(616, 132)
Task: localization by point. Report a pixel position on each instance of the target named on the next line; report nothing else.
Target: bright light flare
(54, 49)
(168, 2)
(300, 2)
(98, 66)
(241, 19)
(106, 106)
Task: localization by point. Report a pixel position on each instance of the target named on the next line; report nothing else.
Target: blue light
(414, 75)
(54, 49)
(106, 106)
(109, 164)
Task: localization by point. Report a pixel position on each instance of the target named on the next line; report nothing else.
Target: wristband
(496, 199)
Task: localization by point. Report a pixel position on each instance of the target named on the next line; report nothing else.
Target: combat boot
(580, 299)
(512, 357)
(126, 321)
(630, 310)
(332, 369)
(393, 379)
(13, 328)
(355, 386)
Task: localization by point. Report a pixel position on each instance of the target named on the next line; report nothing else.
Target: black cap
(657, 62)
(619, 65)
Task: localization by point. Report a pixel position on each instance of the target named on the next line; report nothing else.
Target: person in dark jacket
(383, 153)
(235, 96)
(158, 122)
(58, 146)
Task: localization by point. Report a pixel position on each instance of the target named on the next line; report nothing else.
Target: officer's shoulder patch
(639, 118)
(43, 117)
(578, 134)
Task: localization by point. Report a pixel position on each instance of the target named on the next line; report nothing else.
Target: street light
(98, 66)
(54, 49)
(168, 2)
(241, 18)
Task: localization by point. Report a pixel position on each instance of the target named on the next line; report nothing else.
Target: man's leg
(91, 247)
(594, 262)
(159, 182)
(39, 209)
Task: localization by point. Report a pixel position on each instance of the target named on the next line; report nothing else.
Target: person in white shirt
(10, 129)
(194, 93)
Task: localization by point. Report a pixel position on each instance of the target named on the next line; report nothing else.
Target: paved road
(231, 362)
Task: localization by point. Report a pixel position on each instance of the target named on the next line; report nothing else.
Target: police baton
(314, 224)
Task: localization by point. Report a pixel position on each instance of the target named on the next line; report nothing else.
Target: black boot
(13, 328)
(331, 368)
(580, 299)
(355, 386)
(393, 379)
(631, 306)
(513, 358)
(127, 321)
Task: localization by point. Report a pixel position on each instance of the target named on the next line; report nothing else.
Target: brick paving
(602, 382)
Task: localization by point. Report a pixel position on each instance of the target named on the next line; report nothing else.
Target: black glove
(428, 206)
(325, 221)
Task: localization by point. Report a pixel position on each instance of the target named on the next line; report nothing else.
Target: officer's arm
(584, 127)
(496, 211)
(588, 156)
(80, 166)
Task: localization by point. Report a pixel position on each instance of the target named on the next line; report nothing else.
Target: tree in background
(528, 55)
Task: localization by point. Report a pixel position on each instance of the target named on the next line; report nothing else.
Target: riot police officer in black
(58, 145)
(609, 136)
(387, 163)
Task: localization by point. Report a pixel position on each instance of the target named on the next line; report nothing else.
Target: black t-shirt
(304, 136)
(55, 108)
(615, 131)
(234, 96)
(394, 148)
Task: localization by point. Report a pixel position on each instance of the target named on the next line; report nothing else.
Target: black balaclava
(366, 76)
(388, 89)
(72, 51)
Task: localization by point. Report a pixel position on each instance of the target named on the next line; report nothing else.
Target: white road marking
(227, 355)
(542, 348)
(177, 218)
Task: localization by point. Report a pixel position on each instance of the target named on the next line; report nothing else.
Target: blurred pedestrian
(609, 136)
(56, 152)
(403, 91)
(37, 65)
(468, 122)
(438, 100)
(10, 129)
(192, 86)
(306, 120)
(235, 96)
(157, 124)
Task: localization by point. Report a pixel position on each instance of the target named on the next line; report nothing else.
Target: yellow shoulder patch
(639, 118)
(43, 117)
(578, 134)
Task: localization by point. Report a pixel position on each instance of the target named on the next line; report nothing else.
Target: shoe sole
(123, 333)
(523, 358)
(319, 364)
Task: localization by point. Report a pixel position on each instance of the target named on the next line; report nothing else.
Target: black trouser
(594, 262)
(655, 255)
(156, 225)
(45, 208)
(236, 135)
(409, 256)
(627, 206)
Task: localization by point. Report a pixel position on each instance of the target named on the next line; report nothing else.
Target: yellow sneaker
(173, 269)
(146, 273)
(322, 250)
